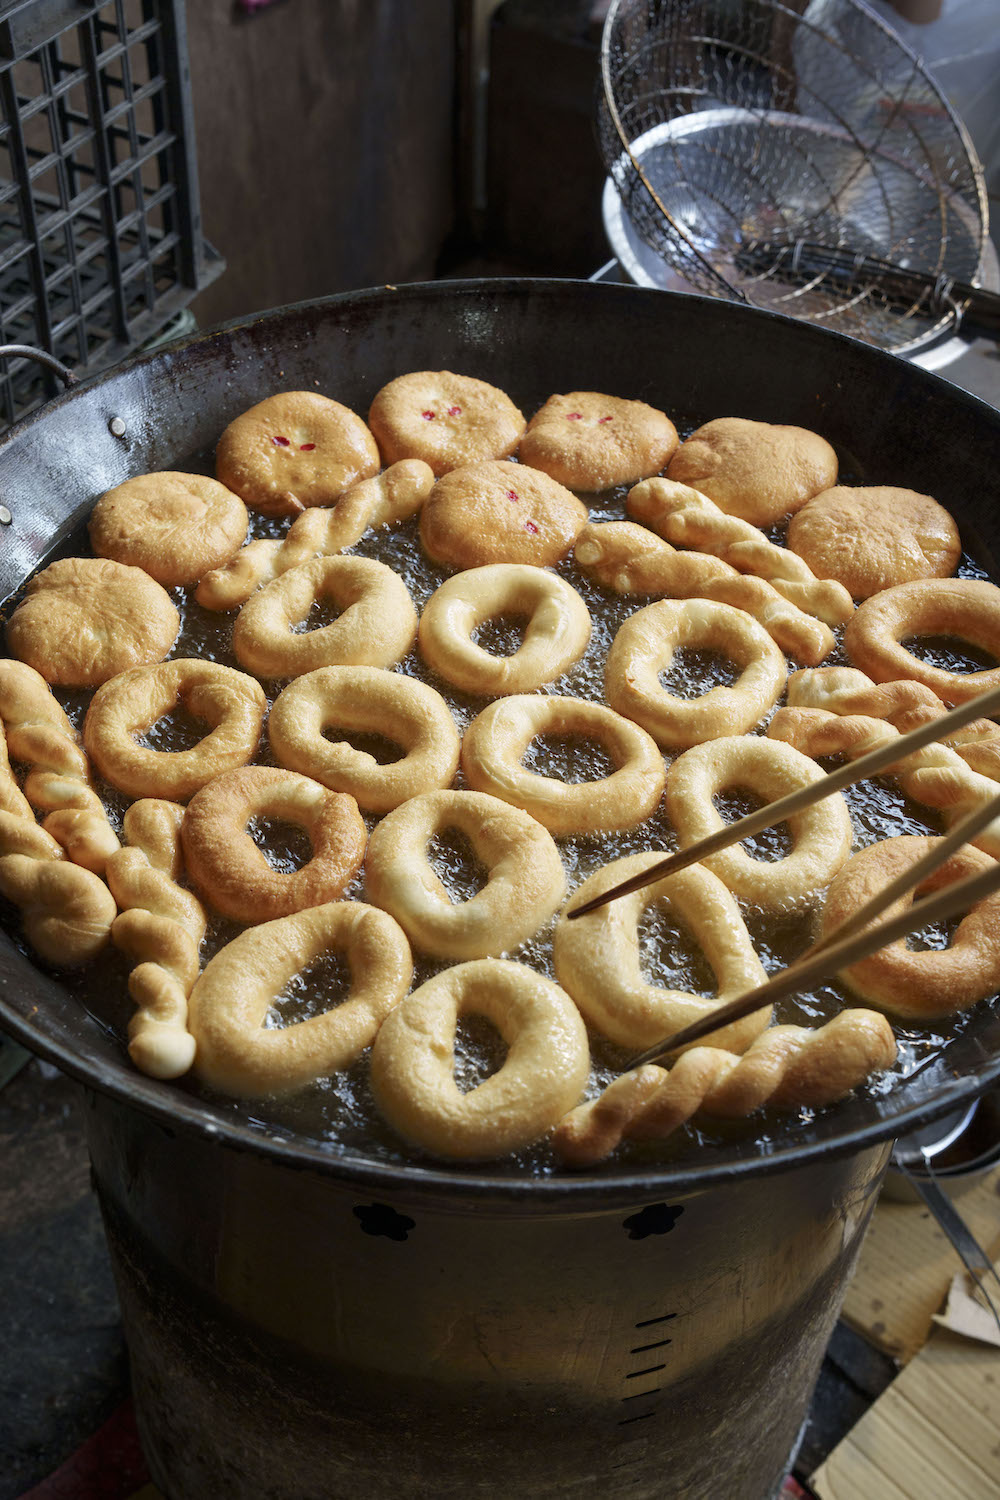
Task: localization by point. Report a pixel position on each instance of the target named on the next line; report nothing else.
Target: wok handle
(28, 351)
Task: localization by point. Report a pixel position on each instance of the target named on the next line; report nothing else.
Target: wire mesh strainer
(727, 124)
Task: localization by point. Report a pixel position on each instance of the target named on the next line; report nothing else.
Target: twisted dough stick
(387, 499)
(161, 926)
(787, 1067)
(58, 783)
(688, 518)
(67, 911)
(629, 559)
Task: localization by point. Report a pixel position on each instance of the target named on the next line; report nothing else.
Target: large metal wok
(305, 1322)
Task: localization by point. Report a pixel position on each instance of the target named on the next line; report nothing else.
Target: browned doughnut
(229, 870)
(176, 527)
(447, 420)
(591, 442)
(755, 470)
(499, 513)
(873, 538)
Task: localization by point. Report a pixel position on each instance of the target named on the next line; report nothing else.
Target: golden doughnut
(238, 1054)
(787, 1067)
(644, 647)
(382, 501)
(555, 637)
(542, 1077)
(499, 513)
(630, 559)
(591, 442)
(294, 450)
(964, 608)
(918, 985)
(376, 627)
(35, 730)
(687, 518)
(234, 876)
(822, 833)
(597, 957)
(85, 619)
(873, 538)
(524, 882)
(497, 739)
(66, 910)
(173, 526)
(160, 927)
(128, 706)
(447, 420)
(758, 471)
(369, 700)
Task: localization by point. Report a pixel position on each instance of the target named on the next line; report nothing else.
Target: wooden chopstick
(776, 812)
(839, 954)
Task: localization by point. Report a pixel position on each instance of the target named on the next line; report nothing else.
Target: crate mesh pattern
(100, 232)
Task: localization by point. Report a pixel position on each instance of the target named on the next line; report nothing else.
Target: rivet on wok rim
(117, 426)
(5, 516)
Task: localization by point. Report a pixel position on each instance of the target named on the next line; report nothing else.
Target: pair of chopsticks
(855, 939)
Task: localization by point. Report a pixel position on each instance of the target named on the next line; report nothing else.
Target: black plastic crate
(100, 223)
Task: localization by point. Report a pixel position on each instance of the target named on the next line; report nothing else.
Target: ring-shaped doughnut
(496, 740)
(372, 701)
(376, 627)
(293, 450)
(229, 870)
(822, 833)
(644, 647)
(597, 957)
(445, 419)
(524, 885)
(556, 635)
(176, 527)
(238, 1055)
(913, 984)
(128, 706)
(543, 1076)
(965, 608)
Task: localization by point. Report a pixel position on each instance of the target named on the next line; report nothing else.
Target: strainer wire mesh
(724, 125)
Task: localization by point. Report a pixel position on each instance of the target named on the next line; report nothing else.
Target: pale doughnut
(128, 706)
(499, 513)
(597, 957)
(376, 503)
(376, 627)
(964, 608)
(173, 526)
(644, 647)
(365, 699)
(555, 637)
(918, 985)
(628, 558)
(294, 450)
(542, 1077)
(447, 420)
(496, 740)
(238, 1054)
(591, 442)
(524, 882)
(871, 539)
(787, 1067)
(233, 875)
(759, 471)
(822, 833)
(85, 619)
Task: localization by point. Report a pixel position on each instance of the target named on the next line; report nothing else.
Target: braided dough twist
(66, 910)
(58, 783)
(630, 559)
(688, 518)
(385, 500)
(160, 926)
(787, 1067)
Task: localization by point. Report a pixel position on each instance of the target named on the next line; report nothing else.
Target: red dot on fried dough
(454, 411)
(530, 526)
(306, 447)
(603, 419)
(428, 416)
(574, 416)
(280, 442)
(513, 495)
